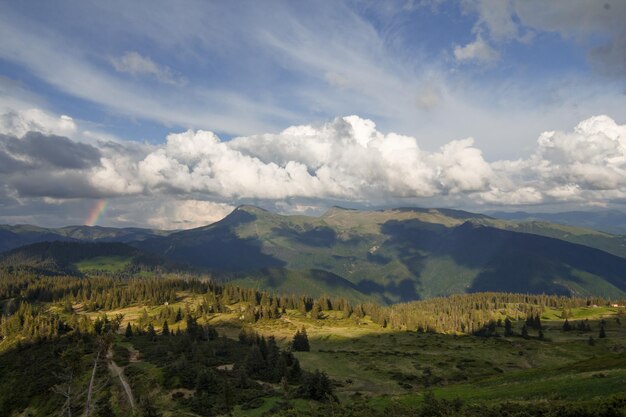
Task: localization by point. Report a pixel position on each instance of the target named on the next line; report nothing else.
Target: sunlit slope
(396, 255)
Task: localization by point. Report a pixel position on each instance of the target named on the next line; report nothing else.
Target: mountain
(610, 221)
(613, 244)
(59, 257)
(397, 255)
(19, 235)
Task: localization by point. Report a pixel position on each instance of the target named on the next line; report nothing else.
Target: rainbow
(97, 211)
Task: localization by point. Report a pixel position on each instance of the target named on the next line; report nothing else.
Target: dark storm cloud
(8, 164)
(39, 165)
(64, 184)
(57, 151)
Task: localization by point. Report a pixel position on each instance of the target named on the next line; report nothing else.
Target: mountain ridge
(397, 254)
(390, 256)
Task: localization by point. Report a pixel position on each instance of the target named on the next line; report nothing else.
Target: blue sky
(498, 71)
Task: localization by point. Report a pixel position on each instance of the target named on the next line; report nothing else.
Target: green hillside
(175, 346)
(12, 237)
(401, 254)
(51, 258)
(613, 244)
(386, 255)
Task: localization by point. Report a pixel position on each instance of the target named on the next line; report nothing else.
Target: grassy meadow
(382, 367)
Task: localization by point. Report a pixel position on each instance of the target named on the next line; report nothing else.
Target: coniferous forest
(182, 344)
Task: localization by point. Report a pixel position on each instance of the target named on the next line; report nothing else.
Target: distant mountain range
(389, 255)
(19, 235)
(610, 221)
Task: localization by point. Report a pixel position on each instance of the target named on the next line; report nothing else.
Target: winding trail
(119, 371)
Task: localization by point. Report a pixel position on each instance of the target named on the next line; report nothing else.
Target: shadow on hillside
(277, 277)
(404, 290)
(321, 236)
(510, 261)
(219, 250)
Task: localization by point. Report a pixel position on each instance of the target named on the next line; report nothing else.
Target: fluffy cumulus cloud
(197, 177)
(588, 163)
(593, 156)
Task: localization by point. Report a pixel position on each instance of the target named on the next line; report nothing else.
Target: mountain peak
(248, 208)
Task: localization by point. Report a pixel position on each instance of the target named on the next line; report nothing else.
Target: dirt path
(117, 370)
(134, 354)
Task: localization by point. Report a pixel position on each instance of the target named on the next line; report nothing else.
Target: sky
(170, 114)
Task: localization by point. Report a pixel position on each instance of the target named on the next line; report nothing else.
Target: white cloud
(593, 156)
(478, 51)
(344, 160)
(18, 123)
(135, 64)
(186, 214)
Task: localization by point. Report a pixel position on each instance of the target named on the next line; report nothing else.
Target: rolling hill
(610, 221)
(399, 255)
(75, 258)
(19, 235)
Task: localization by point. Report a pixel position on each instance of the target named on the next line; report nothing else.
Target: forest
(185, 343)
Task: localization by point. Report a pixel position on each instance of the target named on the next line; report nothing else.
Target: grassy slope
(386, 366)
(613, 244)
(397, 255)
(367, 359)
(112, 264)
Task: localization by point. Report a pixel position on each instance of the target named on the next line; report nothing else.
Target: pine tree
(508, 329)
(316, 311)
(150, 332)
(295, 373)
(254, 362)
(166, 329)
(129, 331)
(300, 341)
(566, 326)
(524, 332)
(242, 378)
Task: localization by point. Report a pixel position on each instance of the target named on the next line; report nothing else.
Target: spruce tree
(508, 329)
(316, 311)
(300, 341)
(566, 326)
(129, 331)
(166, 329)
(150, 332)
